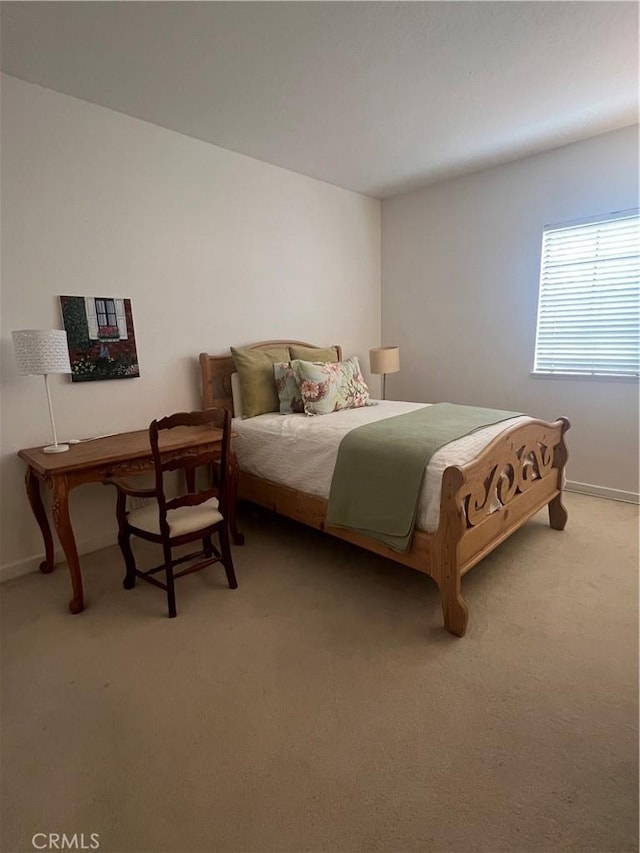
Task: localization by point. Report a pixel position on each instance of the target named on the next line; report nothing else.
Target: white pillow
(236, 395)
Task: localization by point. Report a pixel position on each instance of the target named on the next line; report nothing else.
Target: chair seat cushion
(184, 519)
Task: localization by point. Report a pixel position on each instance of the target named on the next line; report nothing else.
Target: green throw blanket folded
(378, 475)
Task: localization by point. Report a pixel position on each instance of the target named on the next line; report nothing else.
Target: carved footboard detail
(515, 473)
(519, 473)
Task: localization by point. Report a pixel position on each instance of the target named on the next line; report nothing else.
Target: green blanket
(378, 475)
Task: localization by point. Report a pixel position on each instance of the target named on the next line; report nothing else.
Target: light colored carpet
(322, 707)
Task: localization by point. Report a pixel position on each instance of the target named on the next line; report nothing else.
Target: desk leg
(234, 482)
(64, 530)
(35, 501)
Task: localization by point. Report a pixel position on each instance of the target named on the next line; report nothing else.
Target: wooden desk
(121, 455)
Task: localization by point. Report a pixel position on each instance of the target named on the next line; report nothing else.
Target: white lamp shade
(40, 351)
(384, 360)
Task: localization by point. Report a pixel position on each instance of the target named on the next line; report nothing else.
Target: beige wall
(212, 247)
(460, 268)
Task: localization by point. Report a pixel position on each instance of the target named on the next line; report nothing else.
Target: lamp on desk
(41, 352)
(384, 360)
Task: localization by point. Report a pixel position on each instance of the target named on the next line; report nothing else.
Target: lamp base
(55, 448)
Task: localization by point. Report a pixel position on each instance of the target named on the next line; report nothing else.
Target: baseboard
(602, 492)
(32, 564)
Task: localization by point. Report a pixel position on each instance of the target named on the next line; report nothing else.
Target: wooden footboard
(485, 501)
(481, 504)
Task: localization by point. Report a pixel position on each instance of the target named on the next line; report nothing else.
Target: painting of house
(101, 337)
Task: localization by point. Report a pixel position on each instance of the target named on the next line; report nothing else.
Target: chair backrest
(190, 459)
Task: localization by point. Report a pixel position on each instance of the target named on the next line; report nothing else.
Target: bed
(475, 495)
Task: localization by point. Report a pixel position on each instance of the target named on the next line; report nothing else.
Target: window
(106, 318)
(106, 312)
(589, 302)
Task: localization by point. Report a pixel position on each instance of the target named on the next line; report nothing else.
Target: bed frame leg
(447, 574)
(454, 611)
(557, 512)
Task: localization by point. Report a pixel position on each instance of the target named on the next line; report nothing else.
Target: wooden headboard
(216, 373)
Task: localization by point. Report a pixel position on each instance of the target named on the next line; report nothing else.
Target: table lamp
(384, 360)
(41, 352)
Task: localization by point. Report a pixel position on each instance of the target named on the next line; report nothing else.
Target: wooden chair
(193, 515)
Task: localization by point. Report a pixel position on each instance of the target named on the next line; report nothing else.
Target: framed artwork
(101, 338)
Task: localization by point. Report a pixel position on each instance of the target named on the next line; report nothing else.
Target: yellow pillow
(314, 353)
(257, 382)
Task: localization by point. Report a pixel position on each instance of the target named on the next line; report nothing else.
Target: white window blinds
(589, 302)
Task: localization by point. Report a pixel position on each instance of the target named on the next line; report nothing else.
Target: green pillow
(313, 353)
(257, 382)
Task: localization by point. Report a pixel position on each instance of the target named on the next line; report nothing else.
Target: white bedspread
(300, 451)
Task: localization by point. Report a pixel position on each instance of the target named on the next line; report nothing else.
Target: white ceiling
(377, 97)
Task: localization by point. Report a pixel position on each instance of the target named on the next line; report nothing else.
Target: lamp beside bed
(383, 360)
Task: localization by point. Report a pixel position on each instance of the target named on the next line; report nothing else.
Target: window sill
(584, 376)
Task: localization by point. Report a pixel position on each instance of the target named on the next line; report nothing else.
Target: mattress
(300, 451)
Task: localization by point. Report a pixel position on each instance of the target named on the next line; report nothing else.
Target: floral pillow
(287, 387)
(331, 386)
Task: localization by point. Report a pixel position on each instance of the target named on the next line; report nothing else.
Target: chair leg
(227, 561)
(207, 546)
(124, 540)
(171, 588)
